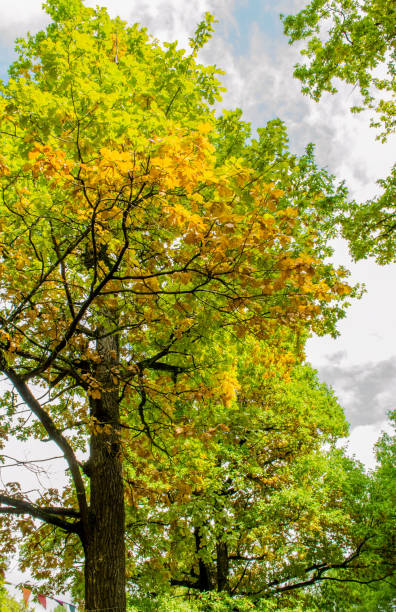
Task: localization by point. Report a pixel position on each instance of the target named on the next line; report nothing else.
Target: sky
(250, 47)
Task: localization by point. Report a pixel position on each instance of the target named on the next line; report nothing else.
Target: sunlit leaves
(155, 256)
(354, 41)
(358, 41)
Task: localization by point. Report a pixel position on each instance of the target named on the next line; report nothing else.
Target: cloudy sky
(250, 46)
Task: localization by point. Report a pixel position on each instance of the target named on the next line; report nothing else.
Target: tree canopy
(350, 40)
(161, 268)
(354, 41)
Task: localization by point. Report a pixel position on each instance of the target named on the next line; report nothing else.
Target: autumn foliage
(160, 271)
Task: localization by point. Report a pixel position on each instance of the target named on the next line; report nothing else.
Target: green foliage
(160, 272)
(352, 597)
(8, 603)
(370, 227)
(374, 585)
(238, 475)
(256, 486)
(203, 33)
(355, 41)
(208, 602)
(349, 40)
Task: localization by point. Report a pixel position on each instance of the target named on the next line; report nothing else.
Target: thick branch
(153, 363)
(53, 433)
(48, 515)
(320, 578)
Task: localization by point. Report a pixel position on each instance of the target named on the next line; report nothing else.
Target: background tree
(9, 604)
(377, 510)
(350, 40)
(370, 227)
(135, 246)
(214, 521)
(354, 41)
(254, 504)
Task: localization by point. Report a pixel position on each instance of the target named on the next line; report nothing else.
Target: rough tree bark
(204, 582)
(222, 566)
(104, 537)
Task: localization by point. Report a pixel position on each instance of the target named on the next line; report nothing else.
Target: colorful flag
(72, 608)
(26, 595)
(43, 600)
(60, 602)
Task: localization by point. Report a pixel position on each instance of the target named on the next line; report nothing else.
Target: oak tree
(136, 245)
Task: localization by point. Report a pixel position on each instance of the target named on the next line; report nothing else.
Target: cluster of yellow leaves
(4, 170)
(182, 159)
(185, 161)
(48, 162)
(228, 387)
(111, 170)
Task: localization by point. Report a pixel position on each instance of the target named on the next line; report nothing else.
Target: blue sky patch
(250, 12)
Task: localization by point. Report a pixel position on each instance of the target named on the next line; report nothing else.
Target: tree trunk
(222, 566)
(204, 581)
(104, 543)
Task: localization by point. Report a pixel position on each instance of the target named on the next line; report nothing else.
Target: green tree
(224, 498)
(349, 40)
(354, 41)
(370, 226)
(257, 506)
(377, 526)
(135, 246)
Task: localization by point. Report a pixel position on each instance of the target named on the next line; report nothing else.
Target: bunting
(26, 593)
(43, 600)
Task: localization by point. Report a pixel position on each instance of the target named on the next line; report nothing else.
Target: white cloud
(368, 332)
(261, 82)
(362, 440)
(366, 391)
(167, 20)
(19, 17)
(20, 11)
